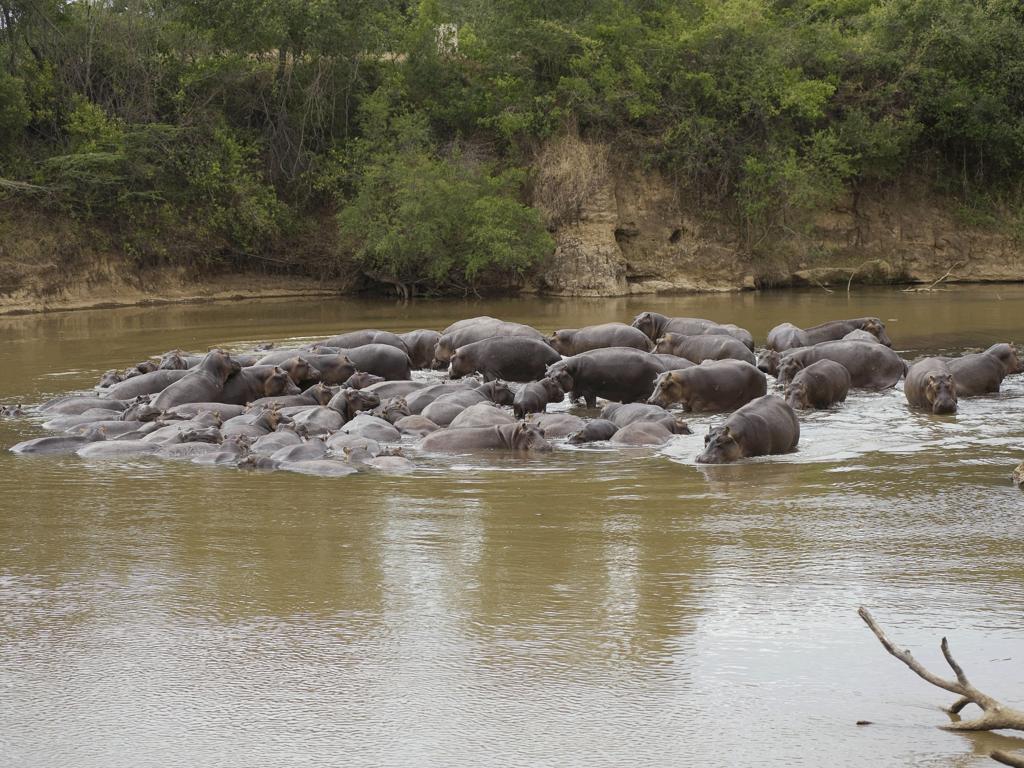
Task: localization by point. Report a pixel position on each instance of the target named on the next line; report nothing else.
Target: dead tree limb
(995, 715)
(1008, 758)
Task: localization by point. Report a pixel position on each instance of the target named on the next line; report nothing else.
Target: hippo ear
(727, 433)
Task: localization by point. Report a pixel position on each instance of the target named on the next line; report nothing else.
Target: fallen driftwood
(995, 715)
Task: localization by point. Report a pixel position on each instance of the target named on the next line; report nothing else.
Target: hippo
(642, 433)
(446, 407)
(871, 366)
(520, 436)
(333, 368)
(712, 386)
(704, 347)
(391, 363)
(931, 385)
(392, 464)
(71, 406)
(110, 429)
(769, 361)
(354, 339)
(311, 449)
(175, 360)
(204, 383)
(622, 414)
(513, 358)
(252, 425)
(449, 342)
(484, 414)
(495, 391)
(458, 325)
(255, 382)
(416, 425)
(614, 373)
(573, 341)
(819, 385)
(319, 467)
(391, 410)
(373, 428)
(191, 410)
(109, 378)
(555, 425)
(655, 325)
(983, 372)
(231, 451)
(354, 447)
(187, 450)
(299, 370)
(147, 384)
(594, 431)
(672, 362)
(788, 336)
(362, 380)
(55, 445)
(318, 394)
(348, 402)
(317, 421)
(12, 411)
(64, 423)
(860, 335)
(268, 444)
(114, 449)
(535, 396)
(386, 389)
(420, 346)
(763, 426)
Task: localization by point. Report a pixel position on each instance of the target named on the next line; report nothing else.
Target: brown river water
(589, 607)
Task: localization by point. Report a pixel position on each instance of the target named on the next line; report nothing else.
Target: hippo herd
(354, 401)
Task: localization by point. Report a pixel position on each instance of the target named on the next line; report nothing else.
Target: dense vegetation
(403, 134)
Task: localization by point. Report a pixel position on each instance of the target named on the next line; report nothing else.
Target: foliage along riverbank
(446, 147)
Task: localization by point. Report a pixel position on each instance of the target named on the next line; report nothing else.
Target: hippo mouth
(944, 407)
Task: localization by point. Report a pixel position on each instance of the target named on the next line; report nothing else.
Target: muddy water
(587, 608)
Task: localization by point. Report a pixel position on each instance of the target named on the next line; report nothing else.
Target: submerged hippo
(789, 336)
(819, 385)
(354, 339)
(520, 436)
(624, 414)
(513, 358)
(485, 414)
(712, 386)
(614, 373)
(595, 430)
(642, 433)
(871, 366)
(573, 341)
(147, 384)
(763, 426)
(983, 372)
(704, 347)
(931, 385)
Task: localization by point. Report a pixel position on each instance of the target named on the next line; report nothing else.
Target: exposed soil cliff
(634, 233)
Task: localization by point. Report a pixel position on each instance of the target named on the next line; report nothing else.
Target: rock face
(634, 234)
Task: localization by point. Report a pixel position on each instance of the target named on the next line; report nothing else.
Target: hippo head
(146, 366)
(361, 380)
(348, 402)
(11, 411)
(788, 368)
(669, 387)
(876, 328)
(720, 447)
(562, 341)
(648, 323)
(110, 378)
(497, 391)
(200, 435)
(528, 437)
(335, 369)
(459, 365)
(552, 389)
(940, 391)
(796, 396)
(219, 364)
(320, 393)
(1007, 354)
(560, 375)
(443, 351)
(279, 382)
(173, 361)
(768, 362)
(299, 369)
(393, 409)
(665, 344)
